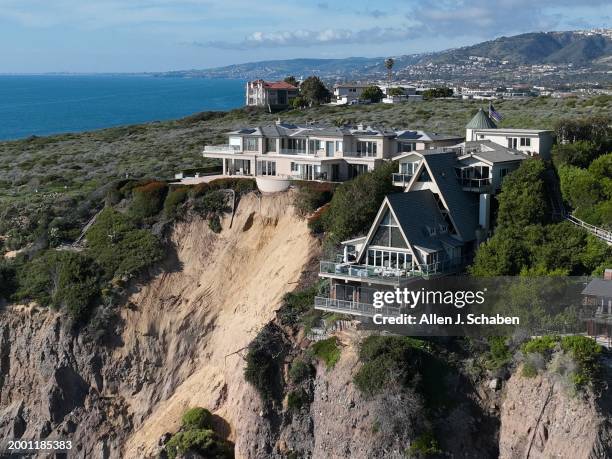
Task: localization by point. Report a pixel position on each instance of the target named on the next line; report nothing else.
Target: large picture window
(388, 234)
(366, 148)
(251, 144)
(266, 168)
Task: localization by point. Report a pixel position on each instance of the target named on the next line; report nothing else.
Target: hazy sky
(150, 35)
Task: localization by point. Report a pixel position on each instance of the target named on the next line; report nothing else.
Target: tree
(395, 92)
(291, 80)
(435, 93)
(580, 153)
(372, 93)
(298, 102)
(356, 202)
(389, 62)
(523, 200)
(314, 91)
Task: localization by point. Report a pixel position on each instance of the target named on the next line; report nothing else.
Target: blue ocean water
(51, 104)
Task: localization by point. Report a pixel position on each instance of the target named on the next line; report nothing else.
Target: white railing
(600, 233)
(222, 149)
(401, 179)
(353, 307)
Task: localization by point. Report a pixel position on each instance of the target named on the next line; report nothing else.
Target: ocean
(53, 104)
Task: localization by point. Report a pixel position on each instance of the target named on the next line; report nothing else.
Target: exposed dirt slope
(178, 339)
(542, 419)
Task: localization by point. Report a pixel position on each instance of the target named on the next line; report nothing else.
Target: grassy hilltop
(58, 176)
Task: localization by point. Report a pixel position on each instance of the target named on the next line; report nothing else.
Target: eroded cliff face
(179, 343)
(179, 340)
(541, 418)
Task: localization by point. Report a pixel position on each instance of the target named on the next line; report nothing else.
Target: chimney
(608, 274)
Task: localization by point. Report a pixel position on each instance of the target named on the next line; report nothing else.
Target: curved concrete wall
(272, 184)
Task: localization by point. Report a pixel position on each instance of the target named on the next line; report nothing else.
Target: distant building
(347, 93)
(531, 141)
(274, 95)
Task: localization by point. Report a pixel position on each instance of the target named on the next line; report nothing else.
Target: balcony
(388, 275)
(353, 307)
(233, 149)
(294, 151)
(359, 154)
(401, 179)
(475, 184)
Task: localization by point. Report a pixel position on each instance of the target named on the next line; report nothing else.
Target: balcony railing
(401, 179)
(222, 149)
(295, 151)
(353, 307)
(359, 154)
(475, 183)
(363, 272)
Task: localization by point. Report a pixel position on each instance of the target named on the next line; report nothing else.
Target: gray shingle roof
(481, 121)
(599, 287)
(463, 205)
(492, 152)
(415, 211)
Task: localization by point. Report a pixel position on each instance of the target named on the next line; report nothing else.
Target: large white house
(530, 141)
(317, 152)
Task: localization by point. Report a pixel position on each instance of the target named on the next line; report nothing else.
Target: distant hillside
(582, 49)
(578, 48)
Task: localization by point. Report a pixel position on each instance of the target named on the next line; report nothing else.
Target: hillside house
(429, 230)
(598, 308)
(530, 141)
(317, 152)
(274, 95)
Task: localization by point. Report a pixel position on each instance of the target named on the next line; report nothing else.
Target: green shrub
(529, 369)
(387, 359)
(214, 202)
(295, 304)
(312, 195)
(239, 185)
(63, 280)
(119, 246)
(197, 418)
(201, 441)
(542, 345)
(147, 200)
(199, 190)
(585, 352)
(173, 200)
(328, 351)
(214, 223)
(356, 202)
(263, 362)
(300, 371)
(499, 354)
(297, 399)
(8, 281)
(424, 445)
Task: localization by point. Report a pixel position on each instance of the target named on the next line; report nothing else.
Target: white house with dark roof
(317, 152)
(530, 141)
(431, 229)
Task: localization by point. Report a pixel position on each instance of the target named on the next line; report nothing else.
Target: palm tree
(389, 62)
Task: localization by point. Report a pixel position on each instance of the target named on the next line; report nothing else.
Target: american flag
(495, 114)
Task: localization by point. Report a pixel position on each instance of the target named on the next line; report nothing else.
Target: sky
(158, 35)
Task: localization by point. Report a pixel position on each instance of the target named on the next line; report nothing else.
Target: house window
(389, 259)
(525, 142)
(252, 144)
(503, 173)
(270, 144)
(338, 145)
(296, 145)
(366, 148)
(315, 145)
(357, 169)
(409, 168)
(388, 233)
(424, 176)
(294, 167)
(512, 142)
(266, 168)
(405, 147)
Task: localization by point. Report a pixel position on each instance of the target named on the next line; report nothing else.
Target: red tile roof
(276, 84)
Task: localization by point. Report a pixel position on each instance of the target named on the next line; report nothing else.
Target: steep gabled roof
(462, 205)
(415, 211)
(481, 121)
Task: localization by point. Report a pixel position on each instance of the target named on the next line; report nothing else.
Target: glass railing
(353, 307)
(388, 273)
(401, 179)
(222, 148)
(475, 182)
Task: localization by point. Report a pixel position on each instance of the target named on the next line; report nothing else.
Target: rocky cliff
(179, 342)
